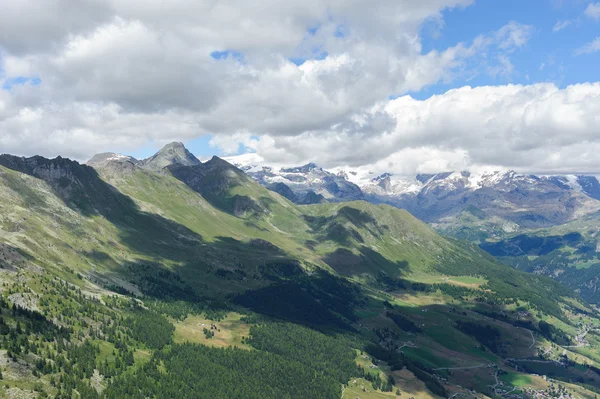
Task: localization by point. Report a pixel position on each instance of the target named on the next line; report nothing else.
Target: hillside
(570, 253)
(152, 276)
(540, 224)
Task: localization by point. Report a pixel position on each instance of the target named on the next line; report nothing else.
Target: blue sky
(549, 56)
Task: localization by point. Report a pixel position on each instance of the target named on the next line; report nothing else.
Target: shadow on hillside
(12, 258)
(531, 245)
(81, 189)
(333, 228)
(321, 301)
(214, 181)
(347, 263)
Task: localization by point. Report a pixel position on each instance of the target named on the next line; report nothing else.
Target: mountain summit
(105, 158)
(173, 153)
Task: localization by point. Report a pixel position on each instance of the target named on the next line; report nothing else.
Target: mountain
(490, 204)
(462, 204)
(120, 281)
(570, 253)
(306, 184)
(539, 224)
(173, 153)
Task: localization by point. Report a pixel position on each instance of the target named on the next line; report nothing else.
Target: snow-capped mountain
(460, 199)
(487, 201)
(306, 184)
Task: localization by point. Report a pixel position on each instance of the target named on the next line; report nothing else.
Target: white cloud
(593, 11)
(82, 129)
(589, 48)
(503, 68)
(134, 72)
(514, 35)
(146, 71)
(537, 128)
(560, 25)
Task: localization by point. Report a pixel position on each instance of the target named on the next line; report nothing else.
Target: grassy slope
(168, 225)
(367, 238)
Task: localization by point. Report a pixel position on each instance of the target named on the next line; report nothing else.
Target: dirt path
(532, 338)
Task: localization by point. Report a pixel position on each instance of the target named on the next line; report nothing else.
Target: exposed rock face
(62, 174)
(171, 154)
(113, 164)
(590, 186)
(79, 186)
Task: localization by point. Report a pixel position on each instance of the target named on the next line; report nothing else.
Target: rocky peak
(343, 174)
(381, 177)
(216, 161)
(171, 154)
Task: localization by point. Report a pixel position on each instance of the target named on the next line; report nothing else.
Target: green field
(517, 380)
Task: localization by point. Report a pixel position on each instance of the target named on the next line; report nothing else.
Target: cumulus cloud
(294, 81)
(143, 61)
(145, 68)
(537, 128)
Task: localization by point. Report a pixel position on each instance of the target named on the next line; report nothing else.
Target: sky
(397, 86)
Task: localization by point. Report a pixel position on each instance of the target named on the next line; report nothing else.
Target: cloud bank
(306, 80)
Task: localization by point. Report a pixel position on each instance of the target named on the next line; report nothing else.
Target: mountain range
(502, 211)
(521, 201)
(172, 277)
